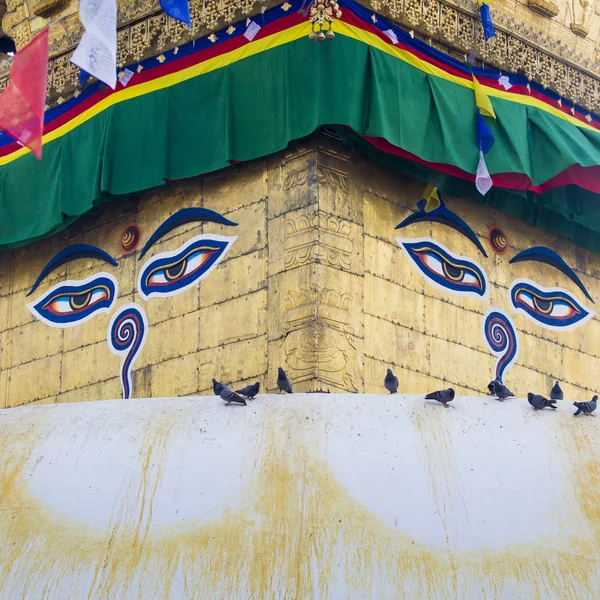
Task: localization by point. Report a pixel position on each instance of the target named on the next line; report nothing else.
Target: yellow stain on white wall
(307, 496)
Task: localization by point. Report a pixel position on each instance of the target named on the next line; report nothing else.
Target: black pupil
(80, 300)
(453, 272)
(175, 271)
(543, 305)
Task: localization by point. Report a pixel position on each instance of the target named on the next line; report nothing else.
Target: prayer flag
(432, 200)
(23, 102)
(482, 100)
(486, 20)
(97, 50)
(485, 137)
(483, 179)
(178, 9)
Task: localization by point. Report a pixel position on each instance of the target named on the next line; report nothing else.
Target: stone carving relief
(582, 11)
(319, 345)
(548, 8)
(318, 238)
(46, 8)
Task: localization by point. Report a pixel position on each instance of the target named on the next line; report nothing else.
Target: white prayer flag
(125, 76)
(390, 33)
(252, 30)
(483, 180)
(97, 50)
(504, 81)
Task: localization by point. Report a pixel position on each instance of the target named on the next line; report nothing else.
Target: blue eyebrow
(69, 254)
(181, 217)
(549, 257)
(444, 216)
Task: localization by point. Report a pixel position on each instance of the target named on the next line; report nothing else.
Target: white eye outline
(31, 306)
(545, 290)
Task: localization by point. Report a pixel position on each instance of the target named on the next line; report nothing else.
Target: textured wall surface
(186, 498)
(315, 281)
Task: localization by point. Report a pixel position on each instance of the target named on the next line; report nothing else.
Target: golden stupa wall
(315, 282)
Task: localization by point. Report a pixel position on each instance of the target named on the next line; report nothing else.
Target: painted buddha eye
(552, 308)
(170, 273)
(72, 302)
(447, 271)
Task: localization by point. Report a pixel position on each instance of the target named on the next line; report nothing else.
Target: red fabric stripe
(585, 177)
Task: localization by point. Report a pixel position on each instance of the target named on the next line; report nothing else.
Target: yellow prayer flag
(430, 195)
(482, 100)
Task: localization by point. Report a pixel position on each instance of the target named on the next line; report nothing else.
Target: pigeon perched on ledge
(539, 402)
(250, 391)
(391, 382)
(498, 389)
(442, 396)
(556, 392)
(227, 394)
(283, 383)
(587, 408)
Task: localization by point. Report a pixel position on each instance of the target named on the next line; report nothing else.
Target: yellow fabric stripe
(376, 42)
(272, 41)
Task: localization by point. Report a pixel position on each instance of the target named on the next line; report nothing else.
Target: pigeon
(391, 382)
(228, 395)
(539, 402)
(283, 383)
(250, 390)
(587, 408)
(443, 396)
(498, 389)
(215, 383)
(556, 393)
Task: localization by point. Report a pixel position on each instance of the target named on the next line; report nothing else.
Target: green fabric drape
(256, 106)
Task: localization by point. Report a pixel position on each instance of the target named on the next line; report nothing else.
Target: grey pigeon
(498, 389)
(227, 394)
(443, 396)
(556, 393)
(283, 383)
(539, 402)
(391, 382)
(250, 390)
(587, 408)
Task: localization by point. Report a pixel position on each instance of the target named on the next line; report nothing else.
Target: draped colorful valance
(226, 99)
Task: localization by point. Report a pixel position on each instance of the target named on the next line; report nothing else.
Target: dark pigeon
(587, 408)
(498, 389)
(443, 396)
(391, 382)
(539, 402)
(250, 391)
(556, 393)
(283, 383)
(226, 394)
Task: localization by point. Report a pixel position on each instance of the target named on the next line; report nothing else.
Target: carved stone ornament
(45, 8)
(548, 8)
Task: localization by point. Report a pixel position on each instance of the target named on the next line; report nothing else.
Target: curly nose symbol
(501, 336)
(127, 333)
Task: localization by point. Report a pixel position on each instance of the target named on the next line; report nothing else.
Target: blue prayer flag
(485, 137)
(178, 9)
(486, 21)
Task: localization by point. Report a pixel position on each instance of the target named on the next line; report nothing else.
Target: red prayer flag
(23, 101)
